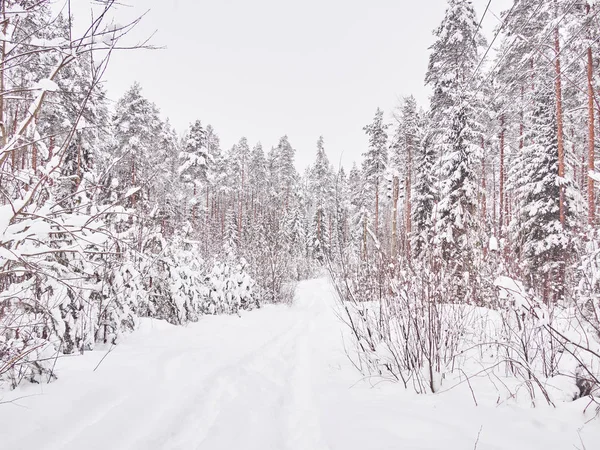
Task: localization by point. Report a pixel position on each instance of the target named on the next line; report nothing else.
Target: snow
(6, 214)
(493, 244)
(275, 378)
(594, 175)
(510, 288)
(46, 84)
(48, 43)
(132, 191)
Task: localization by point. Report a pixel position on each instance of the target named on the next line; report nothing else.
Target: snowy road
(275, 379)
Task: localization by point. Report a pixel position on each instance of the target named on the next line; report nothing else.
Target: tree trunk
(377, 209)
(223, 222)
(561, 157)
(330, 235)
(51, 148)
(241, 199)
(319, 237)
(494, 199)
(483, 190)
(365, 237)
(408, 199)
(501, 176)
(574, 153)
(194, 205)
(207, 208)
(396, 188)
(34, 158)
(560, 137)
(133, 180)
(591, 137)
(13, 154)
(3, 130)
(240, 214)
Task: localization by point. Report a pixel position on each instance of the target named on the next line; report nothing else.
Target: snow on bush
(230, 289)
(415, 334)
(45, 315)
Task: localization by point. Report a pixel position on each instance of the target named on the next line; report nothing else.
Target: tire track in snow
(303, 426)
(248, 388)
(189, 418)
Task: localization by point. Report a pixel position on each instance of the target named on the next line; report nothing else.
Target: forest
(464, 243)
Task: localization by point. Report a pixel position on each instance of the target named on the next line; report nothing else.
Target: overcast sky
(265, 68)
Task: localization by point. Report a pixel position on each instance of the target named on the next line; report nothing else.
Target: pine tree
(404, 147)
(136, 125)
(282, 172)
(257, 177)
(375, 161)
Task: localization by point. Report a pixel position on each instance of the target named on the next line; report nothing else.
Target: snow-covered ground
(277, 378)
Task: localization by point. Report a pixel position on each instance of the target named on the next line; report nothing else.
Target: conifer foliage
(485, 206)
(107, 215)
(476, 208)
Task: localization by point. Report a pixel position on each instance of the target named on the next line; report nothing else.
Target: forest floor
(276, 378)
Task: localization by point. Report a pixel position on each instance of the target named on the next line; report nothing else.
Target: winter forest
(462, 251)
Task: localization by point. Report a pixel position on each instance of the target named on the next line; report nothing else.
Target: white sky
(265, 68)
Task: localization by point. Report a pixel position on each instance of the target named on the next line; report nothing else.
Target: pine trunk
(241, 206)
(207, 207)
(330, 234)
(51, 148)
(408, 200)
(494, 199)
(3, 130)
(560, 137)
(133, 180)
(13, 153)
(377, 208)
(501, 176)
(194, 205)
(591, 138)
(483, 185)
(574, 153)
(561, 157)
(365, 237)
(34, 158)
(319, 237)
(395, 216)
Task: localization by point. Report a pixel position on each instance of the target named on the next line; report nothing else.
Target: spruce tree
(542, 241)
(375, 162)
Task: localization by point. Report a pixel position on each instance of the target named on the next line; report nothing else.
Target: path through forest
(276, 378)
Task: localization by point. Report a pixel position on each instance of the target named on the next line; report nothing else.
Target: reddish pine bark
(559, 119)
(501, 176)
(591, 135)
(395, 195)
(408, 199)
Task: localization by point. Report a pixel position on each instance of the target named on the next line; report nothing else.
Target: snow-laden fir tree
(453, 60)
(456, 136)
(424, 192)
(321, 192)
(542, 241)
